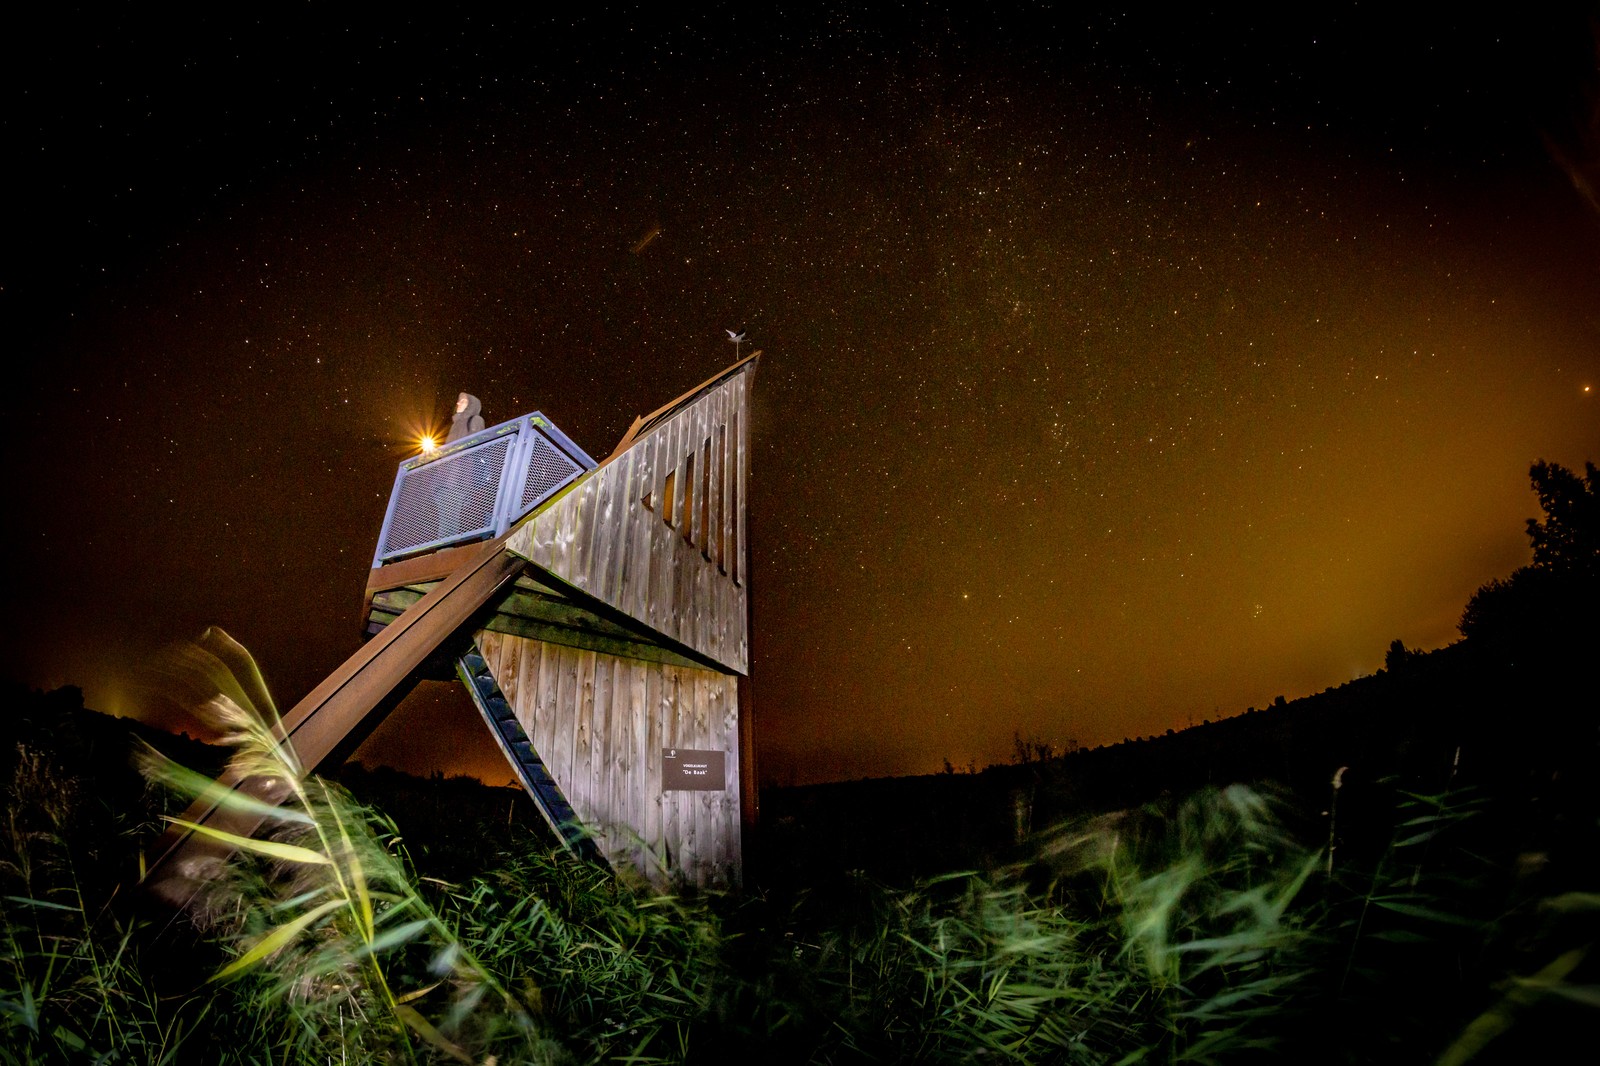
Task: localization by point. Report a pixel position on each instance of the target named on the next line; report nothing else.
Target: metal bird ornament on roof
(737, 338)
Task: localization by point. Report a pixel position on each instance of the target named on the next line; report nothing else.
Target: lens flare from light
(429, 445)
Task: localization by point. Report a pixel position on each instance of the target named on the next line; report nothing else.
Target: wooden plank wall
(599, 722)
(658, 531)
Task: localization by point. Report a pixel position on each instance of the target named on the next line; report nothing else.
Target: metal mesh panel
(448, 499)
(548, 470)
(456, 498)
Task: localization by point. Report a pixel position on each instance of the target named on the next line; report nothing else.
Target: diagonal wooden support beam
(332, 720)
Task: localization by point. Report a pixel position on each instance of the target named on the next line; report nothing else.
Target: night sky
(1119, 372)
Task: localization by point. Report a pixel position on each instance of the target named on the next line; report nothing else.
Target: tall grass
(71, 988)
(343, 957)
(1194, 930)
(1123, 943)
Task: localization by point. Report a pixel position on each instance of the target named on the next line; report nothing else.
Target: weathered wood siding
(599, 722)
(658, 530)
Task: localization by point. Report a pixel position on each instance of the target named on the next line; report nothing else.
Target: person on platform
(468, 419)
(465, 494)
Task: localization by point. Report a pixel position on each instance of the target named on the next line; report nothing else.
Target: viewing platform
(477, 487)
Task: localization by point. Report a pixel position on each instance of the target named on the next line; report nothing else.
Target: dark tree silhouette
(1568, 540)
(1556, 598)
(1399, 657)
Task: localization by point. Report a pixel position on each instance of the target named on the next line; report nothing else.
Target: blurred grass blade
(45, 904)
(242, 669)
(276, 939)
(1499, 1018)
(198, 785)
(1412, 910)
(1573, 902)
(398, 935)
(357, 871)
(270, 848)
(421, 1026)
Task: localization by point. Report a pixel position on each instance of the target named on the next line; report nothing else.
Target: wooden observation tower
(598, 613)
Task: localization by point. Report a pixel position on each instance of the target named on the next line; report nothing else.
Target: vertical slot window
(688, 498)
(703, 530)
(720, 532)
(737, 463)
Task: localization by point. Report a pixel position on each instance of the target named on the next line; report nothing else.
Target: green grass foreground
(1200, 930)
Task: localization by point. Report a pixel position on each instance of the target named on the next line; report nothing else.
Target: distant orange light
(429, 445)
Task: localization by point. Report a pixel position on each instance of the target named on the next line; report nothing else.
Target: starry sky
(1120, 372)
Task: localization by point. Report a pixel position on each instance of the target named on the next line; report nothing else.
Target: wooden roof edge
(645, 422)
